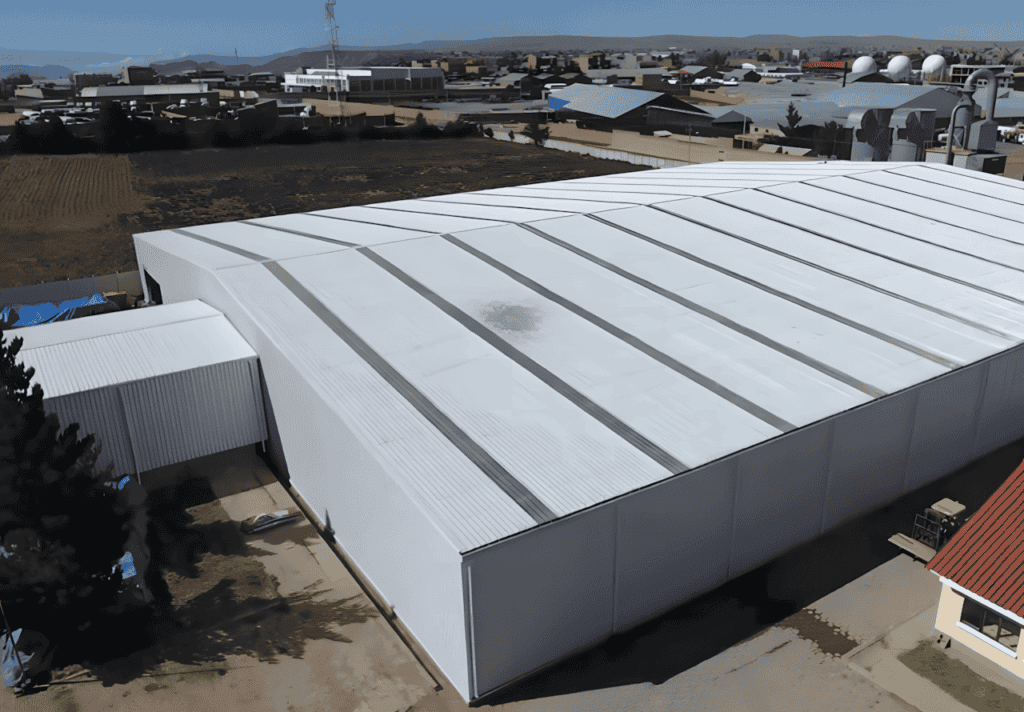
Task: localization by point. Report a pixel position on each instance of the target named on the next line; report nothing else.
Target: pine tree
(63, 526)
(792, 116)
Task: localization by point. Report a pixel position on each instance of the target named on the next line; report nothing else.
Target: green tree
(114, 128)
(63, 522)
(792, 116)
(537, 134)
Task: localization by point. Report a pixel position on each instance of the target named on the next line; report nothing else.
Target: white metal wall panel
(906, 281)
(962, 240)
(879, 242)
(690, 421)
(98, 412)
(945, 423)
(487, 212)
(1010, 209)
(360, 233)
(417, 221)
(540, 596)
(867, 458)
(996, 187)
(938, 210)
(673, 541)
(1001, 419)
(853, 352)
(378, 523)
(780, 495)
(274, 244)
(181, 416)
(908, 322)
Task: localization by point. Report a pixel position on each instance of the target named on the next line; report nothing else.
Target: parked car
(264, 521)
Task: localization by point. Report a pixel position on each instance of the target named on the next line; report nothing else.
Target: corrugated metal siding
(99, 325)
(98, 412)
(86, 364)
(180, 416)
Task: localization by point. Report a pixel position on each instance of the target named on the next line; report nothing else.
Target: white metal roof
(108, 349)
(515, 355)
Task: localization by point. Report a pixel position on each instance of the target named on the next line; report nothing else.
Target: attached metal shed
(157, 386)
(541, 415)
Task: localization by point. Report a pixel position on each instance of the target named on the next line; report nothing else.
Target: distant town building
(366, 79)
(958, 73)
(139, 75)
(93, 80)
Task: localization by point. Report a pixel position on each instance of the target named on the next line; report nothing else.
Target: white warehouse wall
(398, 550)
(682, 537)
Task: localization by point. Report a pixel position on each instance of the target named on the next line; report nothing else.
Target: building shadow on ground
(773, 594)
(235, 611)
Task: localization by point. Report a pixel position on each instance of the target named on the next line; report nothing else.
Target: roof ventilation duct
(870, 141)
(911, 129)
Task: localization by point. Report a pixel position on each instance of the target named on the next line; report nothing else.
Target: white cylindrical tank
(933, 67)
(899, 68)
(863, 64)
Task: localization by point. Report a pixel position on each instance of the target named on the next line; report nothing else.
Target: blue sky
(260, 27)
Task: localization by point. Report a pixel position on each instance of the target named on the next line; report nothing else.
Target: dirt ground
(960, 681)
(66, 217)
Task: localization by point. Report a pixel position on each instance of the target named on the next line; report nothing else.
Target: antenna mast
(332, 58)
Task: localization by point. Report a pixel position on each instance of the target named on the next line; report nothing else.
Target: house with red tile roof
(982, 572)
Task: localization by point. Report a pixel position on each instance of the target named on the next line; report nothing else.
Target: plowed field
(65, 217)
(65, 192)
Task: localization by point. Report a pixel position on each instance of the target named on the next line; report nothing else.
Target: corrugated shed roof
(609, 102)
(514, 355)
(148, 343)
(986, 556)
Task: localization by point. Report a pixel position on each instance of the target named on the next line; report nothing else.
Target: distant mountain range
(47, 71)
(354, 55)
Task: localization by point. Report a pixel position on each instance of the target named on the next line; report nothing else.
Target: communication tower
(332, 58)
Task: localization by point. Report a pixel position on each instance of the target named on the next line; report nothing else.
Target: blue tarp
(29, 656)
(15, 316)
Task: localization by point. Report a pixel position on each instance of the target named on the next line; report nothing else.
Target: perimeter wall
(553, 591)
(396, 547)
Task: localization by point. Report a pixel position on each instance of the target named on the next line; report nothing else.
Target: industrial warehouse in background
(539, 416)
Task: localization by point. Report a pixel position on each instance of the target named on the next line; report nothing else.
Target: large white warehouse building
(541, 415)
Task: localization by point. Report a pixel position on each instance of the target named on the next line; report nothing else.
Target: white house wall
(397, 549)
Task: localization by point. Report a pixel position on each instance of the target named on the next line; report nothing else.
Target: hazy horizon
(259, 28)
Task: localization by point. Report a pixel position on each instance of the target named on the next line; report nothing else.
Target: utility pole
(332, 58)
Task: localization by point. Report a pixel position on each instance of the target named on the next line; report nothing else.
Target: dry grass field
(65, 217)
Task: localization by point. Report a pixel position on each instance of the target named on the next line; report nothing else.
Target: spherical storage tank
(863, 64)
(934, 67)
(899, 68)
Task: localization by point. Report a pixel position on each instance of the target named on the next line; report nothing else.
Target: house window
(991, 624)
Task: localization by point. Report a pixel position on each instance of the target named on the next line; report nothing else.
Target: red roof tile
(987, 556)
